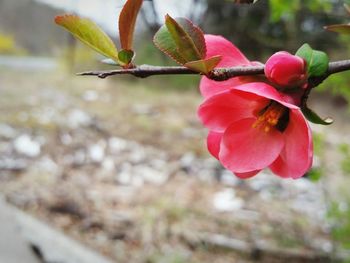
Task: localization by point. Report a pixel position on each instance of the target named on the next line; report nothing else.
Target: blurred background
(120, 165)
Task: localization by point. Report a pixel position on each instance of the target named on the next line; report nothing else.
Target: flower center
(274, 115)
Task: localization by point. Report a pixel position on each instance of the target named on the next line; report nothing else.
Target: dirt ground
(121, 165)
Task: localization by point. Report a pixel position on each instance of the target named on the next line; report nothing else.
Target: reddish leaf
(89, 33)
(341, 28)
(347, 8)
(127, 21)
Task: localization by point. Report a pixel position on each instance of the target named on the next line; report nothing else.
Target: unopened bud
(286, 70)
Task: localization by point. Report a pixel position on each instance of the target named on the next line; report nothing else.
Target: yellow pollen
(269, 117)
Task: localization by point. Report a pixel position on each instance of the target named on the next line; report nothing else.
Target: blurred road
(13, 249)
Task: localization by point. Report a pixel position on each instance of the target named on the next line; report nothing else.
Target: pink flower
(252, 126)
(231, 56)
(286, 70)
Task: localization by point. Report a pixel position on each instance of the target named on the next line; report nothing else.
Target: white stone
(7, 131)
(90, 95)
(124, 178)
(78, 118)
(116, 145)
(151, 176)
(66, 139)
(108, 164)
(228, 178)
(226, 201)
(187, 160)
(25, 145)
(97, 153)
(47, 164)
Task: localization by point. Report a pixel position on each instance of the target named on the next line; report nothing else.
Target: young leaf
(204, 65)
(314, 118)
(317, 61)
(164, 41)
(341, 28)
(127, 21)
(188, 38)
(89, 33)
(126, 56)
(181, 40)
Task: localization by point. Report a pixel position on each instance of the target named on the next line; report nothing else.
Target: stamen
(271, 117)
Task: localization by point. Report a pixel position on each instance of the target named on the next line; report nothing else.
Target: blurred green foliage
(268, 26)
(318, 140)
(316, 173)
(337, 84)
(8, 45)
(172, 257)
(339, 214)
(345, 163)
(287, 9)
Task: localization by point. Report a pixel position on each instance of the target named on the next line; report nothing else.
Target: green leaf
(126, 56)
(181, 40)
(89, 33)
(204, 65)
(341, 28)
(314, 118)
(188, 38)
(317, 61)
(127, 21)
(164, 41)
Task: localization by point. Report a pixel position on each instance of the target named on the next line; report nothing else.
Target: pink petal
(247, 175)
(264, 90)
(296, 157)
(219, 111)
(245, 149)
(213, 143)
(231, 55)
(210, 87)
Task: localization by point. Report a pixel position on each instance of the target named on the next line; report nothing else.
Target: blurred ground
(13, 249)
(121, 165)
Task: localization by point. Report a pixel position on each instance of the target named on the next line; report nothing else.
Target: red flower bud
(286, 70)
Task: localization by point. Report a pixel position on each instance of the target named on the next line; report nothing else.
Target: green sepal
(313, 117)
(317, 61)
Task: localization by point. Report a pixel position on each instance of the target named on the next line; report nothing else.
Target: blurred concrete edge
(20, 231)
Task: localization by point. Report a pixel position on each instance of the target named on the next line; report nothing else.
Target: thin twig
(219, 74)
(142, 71)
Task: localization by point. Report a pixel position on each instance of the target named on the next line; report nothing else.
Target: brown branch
(219, 74)
(142, 71)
